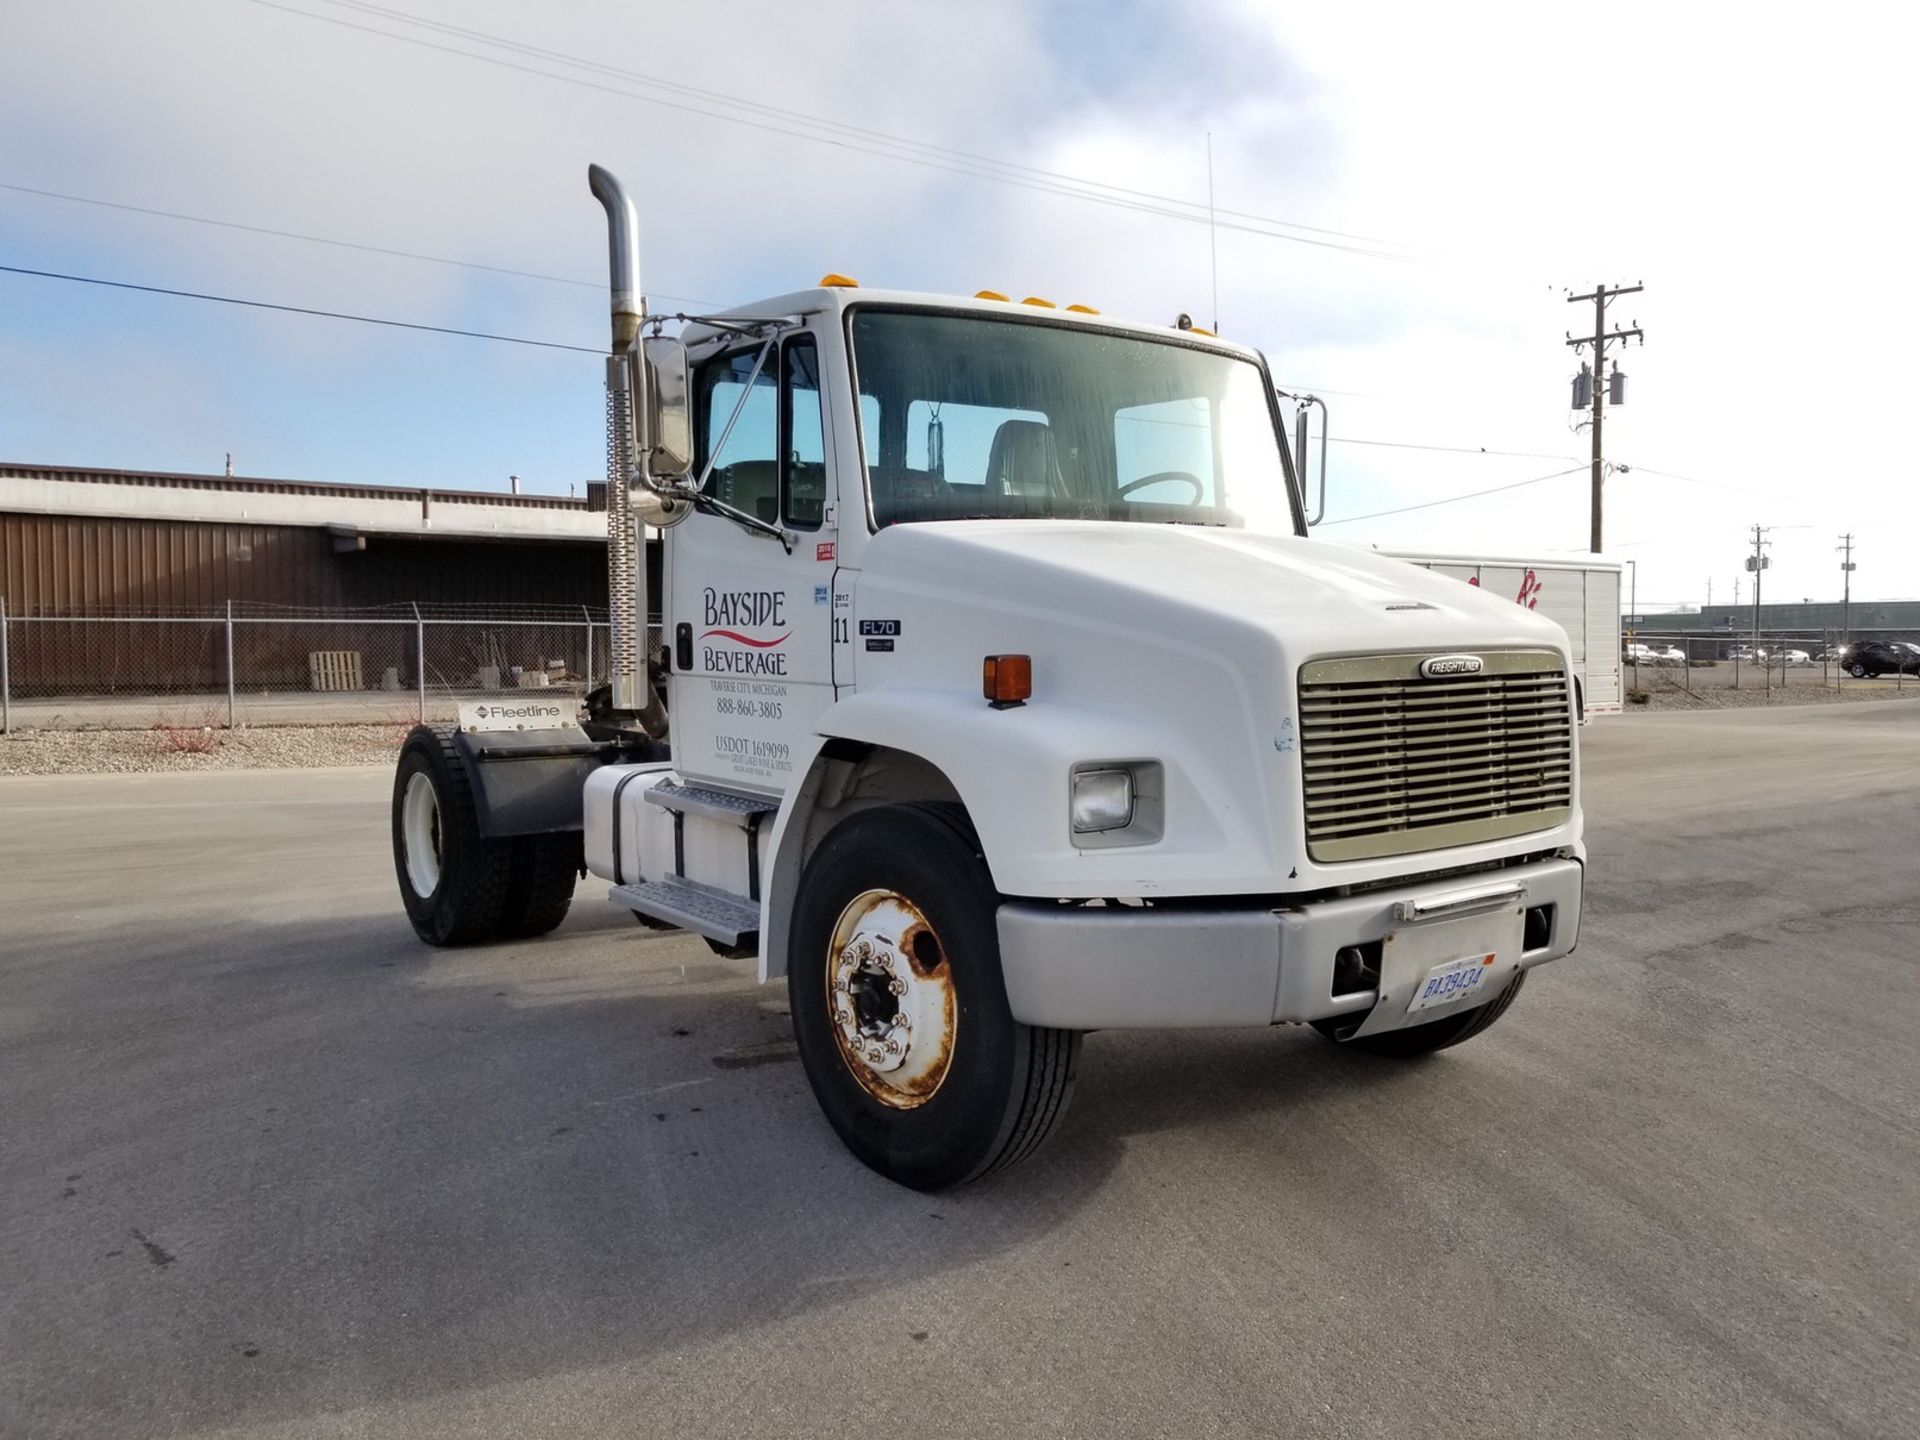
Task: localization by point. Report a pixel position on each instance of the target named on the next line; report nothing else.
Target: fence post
(587, 615)
(420, 659)
(6, 688)
(229, 664)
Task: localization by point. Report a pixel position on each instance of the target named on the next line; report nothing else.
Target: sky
(1742, 164)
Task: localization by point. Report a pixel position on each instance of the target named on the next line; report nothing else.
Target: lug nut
(902, 1022)
(898, 987)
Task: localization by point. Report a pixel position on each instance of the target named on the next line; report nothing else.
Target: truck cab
(1001, 696)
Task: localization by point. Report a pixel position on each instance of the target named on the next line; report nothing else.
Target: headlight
(1101, 800)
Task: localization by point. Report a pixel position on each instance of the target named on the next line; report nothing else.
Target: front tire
(1857, 670)
(453, 881)
(1418, 1040)
(900, 1010)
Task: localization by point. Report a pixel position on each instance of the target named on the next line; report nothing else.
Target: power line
(1451, 499)
(1452, 449)
(329, 240)
(1114, 199)
(592, 350)
(816, 121)
(1710, 484)
(300, 310)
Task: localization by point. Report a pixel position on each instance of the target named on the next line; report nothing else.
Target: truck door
(749, 622)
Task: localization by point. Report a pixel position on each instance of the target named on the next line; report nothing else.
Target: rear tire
(1419, 1040)
(540, 884)
(453, 881)
(897, 911)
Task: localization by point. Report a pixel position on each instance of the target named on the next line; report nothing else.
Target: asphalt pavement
(269, 1167)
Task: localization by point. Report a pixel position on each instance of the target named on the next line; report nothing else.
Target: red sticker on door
(823, 552)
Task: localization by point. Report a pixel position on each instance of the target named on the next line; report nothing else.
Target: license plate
(1451, 981)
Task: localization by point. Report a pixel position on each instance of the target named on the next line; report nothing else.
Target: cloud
(1749, 173)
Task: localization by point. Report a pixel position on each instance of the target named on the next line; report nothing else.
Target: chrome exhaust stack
(629, 306)
(632, 692)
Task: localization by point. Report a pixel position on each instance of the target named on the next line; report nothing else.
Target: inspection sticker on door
(1453, 980)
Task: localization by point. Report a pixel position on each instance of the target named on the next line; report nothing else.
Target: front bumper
(1114, 967)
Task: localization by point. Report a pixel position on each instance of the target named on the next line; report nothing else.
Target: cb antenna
(1213, 237)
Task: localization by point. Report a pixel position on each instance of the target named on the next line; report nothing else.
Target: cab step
(730, 920)
(710, 804)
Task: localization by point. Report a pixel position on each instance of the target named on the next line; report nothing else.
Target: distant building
(1811, 618)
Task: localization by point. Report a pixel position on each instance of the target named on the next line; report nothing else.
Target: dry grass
(174, 738)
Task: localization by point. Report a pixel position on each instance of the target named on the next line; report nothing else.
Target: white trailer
(986, 718)
(1578, 592)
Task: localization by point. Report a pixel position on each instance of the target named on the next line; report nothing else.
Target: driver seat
(1025, 461)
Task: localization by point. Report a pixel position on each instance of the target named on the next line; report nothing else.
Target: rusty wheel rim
(890, 999)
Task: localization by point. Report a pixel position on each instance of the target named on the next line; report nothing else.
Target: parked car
(1792, 657)
(1866, 658)
(1746, 653)
(1644, 654)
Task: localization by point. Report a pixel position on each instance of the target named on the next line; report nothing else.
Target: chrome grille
(1394, 763)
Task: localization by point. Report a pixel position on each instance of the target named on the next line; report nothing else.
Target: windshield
(965, 417)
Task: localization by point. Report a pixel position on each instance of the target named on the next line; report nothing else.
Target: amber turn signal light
(1007, 680)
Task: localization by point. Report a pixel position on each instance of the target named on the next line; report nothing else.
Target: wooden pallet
(335, 670)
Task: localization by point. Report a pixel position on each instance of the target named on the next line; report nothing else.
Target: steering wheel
(1199, 489)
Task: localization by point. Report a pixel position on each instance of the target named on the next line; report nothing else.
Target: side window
(1168, 444)
(804, 491)
(746, 473)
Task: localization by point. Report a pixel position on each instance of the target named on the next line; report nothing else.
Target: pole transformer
(1599, 340)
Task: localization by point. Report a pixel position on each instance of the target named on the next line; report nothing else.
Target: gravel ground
(296, 747)
(78, 752)
(1672, 697)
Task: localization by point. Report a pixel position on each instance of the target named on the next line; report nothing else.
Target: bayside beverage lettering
(731, 648)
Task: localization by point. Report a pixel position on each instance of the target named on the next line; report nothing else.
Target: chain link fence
(392, 665)
(1718, 665)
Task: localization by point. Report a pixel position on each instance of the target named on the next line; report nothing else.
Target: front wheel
(1857, 670)
(1417, 1040)
(900, 1010)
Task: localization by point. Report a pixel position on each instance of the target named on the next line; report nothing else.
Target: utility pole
(1600, 394)
(1845, 547)
(1757, 563)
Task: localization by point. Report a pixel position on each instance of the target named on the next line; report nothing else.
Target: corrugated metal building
(85, 542)
(77, 541)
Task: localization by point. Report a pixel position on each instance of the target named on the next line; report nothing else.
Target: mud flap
(530, 782)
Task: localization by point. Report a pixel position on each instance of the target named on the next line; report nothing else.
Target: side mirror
(1302, 404)
(670, 393)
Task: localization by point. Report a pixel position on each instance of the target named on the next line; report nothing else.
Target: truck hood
(1312, 597)
(1174, 646)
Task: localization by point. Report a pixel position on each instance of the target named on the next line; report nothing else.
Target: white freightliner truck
(986, 714)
